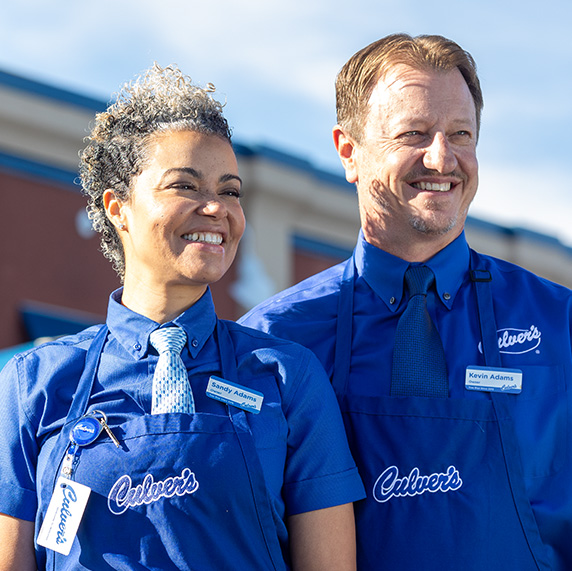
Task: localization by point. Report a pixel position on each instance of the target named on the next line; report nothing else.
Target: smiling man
(452, 369)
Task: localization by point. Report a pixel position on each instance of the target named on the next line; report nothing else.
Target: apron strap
(241, 427)
(343, 341)
(482, 278)
(80, 399)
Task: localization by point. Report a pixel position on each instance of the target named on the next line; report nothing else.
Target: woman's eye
(234, 192)
(184, 186)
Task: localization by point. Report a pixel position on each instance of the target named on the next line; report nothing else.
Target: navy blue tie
(419, 367)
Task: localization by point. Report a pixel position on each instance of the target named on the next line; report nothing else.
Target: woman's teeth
(207, 237)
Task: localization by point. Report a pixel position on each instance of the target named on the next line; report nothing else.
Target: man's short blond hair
(359, 76)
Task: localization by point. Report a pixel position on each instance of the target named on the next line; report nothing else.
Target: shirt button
(194, 343)
(447, 296)
(137, 347)
(392, 301)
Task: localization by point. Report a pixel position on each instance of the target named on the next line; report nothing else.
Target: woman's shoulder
(52, 361)
(56, 349)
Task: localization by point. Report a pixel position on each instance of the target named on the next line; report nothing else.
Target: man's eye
(462, 136)
(412, 135)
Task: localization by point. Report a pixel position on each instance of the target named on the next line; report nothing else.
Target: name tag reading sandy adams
(236, 395)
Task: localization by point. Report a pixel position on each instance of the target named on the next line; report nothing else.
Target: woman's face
(183, 220)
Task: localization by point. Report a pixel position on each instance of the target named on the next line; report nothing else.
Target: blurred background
(274, 64)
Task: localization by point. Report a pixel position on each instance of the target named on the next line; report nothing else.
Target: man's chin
(431, 226)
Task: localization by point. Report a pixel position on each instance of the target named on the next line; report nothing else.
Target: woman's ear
(114, 209)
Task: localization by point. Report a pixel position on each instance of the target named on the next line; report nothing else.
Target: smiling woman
(181, 225)
(191, 432)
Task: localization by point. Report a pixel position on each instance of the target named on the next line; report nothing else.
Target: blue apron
(443, 477)
(183, 492)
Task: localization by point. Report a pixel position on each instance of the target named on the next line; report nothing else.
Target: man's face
(415, 167)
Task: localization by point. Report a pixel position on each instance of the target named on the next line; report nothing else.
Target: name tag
(494, 380)
(236, 395)
(63, 515)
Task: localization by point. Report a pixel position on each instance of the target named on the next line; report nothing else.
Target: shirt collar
(385, 273)
(132, 330)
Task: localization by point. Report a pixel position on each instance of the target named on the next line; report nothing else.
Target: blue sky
(275, 64)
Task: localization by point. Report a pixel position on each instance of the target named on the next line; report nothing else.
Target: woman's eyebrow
(186, 170)
(227, 177)
(197, 174)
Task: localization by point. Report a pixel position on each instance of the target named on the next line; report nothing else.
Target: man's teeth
(440, 186)
(207, 237)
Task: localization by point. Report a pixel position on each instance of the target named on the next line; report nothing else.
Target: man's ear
(346, 148)
(114, 209)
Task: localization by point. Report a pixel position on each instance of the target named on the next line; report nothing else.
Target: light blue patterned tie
(171, 389)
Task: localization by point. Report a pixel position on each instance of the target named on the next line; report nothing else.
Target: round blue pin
(85, 431)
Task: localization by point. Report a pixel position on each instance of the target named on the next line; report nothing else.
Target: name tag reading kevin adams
(236, 395)
(493, 379)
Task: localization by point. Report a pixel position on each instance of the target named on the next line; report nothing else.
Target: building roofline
(51, 92)
(68, 178)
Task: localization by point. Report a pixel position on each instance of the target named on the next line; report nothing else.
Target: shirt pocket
(540, 418)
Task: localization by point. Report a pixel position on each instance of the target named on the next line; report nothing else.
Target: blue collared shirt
(298, 434)
(307, 312)
(534, 330)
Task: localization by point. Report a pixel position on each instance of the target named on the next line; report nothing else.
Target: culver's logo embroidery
(390, 485)
(123, 495)
(517, 341)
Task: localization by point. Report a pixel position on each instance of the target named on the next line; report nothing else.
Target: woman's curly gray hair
(160, 100)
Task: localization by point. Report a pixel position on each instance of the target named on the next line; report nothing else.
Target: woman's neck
(161, 303)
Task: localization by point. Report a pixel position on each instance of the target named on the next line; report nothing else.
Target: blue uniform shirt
(298, 434)
(533, 318)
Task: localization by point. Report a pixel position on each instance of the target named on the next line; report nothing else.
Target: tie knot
(418, 280)
(168, 339)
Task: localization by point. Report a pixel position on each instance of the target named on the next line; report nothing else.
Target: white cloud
(527, 198)
(276, 63)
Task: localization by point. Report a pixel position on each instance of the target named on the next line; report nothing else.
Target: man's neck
(419, 250)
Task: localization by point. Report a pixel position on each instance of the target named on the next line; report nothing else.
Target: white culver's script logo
(69, 496)
(122, 495)
(517, 341)
(389, 485)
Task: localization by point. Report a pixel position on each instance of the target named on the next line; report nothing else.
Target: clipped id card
(63, 516)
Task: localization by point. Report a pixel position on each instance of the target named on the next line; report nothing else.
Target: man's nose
(439, 155)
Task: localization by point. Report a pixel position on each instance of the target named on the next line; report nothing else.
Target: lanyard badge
(69, 499)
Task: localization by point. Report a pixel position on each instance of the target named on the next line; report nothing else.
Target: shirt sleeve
(320, 471)
(18, 448)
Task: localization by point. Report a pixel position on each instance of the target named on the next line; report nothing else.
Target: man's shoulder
(512, 276)
(308, 300)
